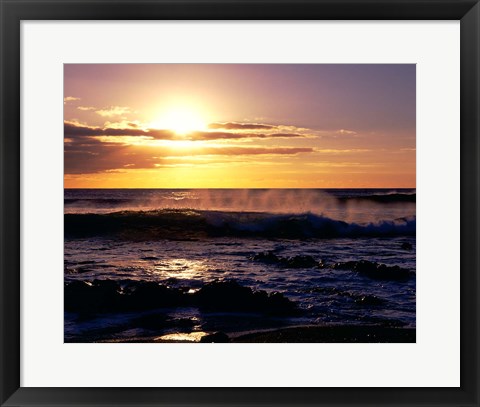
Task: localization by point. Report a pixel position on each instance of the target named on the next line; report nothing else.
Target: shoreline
(301, 334)
(331, 334)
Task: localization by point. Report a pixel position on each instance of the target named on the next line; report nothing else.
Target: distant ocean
(149, 263)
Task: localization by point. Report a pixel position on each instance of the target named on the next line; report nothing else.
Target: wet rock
(172, 280)
(226, 295)
(101, 296)
(360, 299)
(376, 271)
(383, 272)
(150, 295)
(369, 300)
(278, 304)
(217, 337)
(266, 257)
(152, 321)
(302, 261)
(231, 296)
(97, 296)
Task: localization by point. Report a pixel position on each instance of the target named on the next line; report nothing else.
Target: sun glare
(180, 120)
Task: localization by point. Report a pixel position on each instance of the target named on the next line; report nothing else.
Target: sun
(180, 120)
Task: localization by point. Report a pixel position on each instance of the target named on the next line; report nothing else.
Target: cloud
(69, 99)
(346, 132)
(333, 164)
(86, 108)
(342, 151)
(92, 156)
(125, 124)
(235, 150)
(213, 135)
(241, 126)
(113, 111)
(85, 155)
(72, 129)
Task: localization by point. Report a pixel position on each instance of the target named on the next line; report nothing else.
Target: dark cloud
(90, 155)
(256, 150)
(241, 126)
(215, 135)
(78, 130)
(85, 153)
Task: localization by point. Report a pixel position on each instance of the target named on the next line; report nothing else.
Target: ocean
(147, 265)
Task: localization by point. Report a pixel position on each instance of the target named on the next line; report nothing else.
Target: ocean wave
(384, 198)
(97, 201)
(197, 224)
(185, 202)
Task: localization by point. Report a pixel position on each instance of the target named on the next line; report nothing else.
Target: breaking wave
(197, 224)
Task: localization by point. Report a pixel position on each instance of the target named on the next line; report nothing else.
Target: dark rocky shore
(230, 311)
(373, 270)
(107, 296)
(304, 334)
(332, 334)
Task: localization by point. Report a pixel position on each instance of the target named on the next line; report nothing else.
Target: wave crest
(185, 224)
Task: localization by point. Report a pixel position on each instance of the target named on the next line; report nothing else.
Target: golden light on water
(182, 337)
(181, 268)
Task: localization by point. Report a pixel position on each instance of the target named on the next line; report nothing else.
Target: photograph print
(239, 203)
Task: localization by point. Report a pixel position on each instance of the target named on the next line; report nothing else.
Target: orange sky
(239, 126)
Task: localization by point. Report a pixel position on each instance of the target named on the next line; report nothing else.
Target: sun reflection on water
(181, 268)
(182, 337)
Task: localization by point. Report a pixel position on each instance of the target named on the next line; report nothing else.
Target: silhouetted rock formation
(100, 296)
(294, 262)
(217, 337)
(231, 296)
(406, 246)
(376, 271)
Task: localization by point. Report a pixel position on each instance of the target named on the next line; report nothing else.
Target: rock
(376, 271)
(278, 304)
(150, 295)
(217, 337)
(266, 257)
(152, 321)
(299, 261)
(101, 296)
(406, 246)
(97, 296)
(369, 300)
(225, 295)
(231, 296)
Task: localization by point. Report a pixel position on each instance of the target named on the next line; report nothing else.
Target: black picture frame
(12, 12)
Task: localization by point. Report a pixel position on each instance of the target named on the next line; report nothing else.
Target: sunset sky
(239, 126)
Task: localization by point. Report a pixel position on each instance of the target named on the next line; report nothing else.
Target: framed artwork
(217, 203)
(223, 240)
